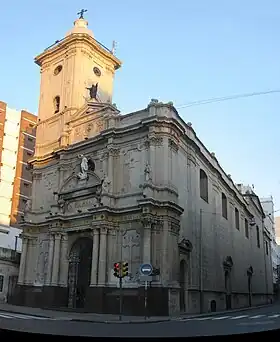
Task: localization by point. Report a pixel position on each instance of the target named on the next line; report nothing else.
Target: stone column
(63, 276)
(55, 269)
(94, 260)
(165, 262)
(102, 257)
(21, 276)
(147, 225)
(153, 159)
(50, 260)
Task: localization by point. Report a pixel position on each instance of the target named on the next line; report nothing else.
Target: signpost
(146, 271)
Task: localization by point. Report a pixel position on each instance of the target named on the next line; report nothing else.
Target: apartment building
(17, 144)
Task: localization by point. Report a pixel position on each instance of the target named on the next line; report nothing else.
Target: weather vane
(81, 13)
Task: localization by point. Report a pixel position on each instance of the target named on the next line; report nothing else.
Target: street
(243, 321)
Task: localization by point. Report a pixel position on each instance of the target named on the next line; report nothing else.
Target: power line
(226, 98)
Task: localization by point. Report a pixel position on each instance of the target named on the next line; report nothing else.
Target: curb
(142, 321)
(178, 318)
(122, 322)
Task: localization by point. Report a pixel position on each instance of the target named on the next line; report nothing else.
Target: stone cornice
(72, 41)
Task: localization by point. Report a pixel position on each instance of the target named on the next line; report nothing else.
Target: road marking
(238, 317)
(257, 323)
(274, 316)
(202, 319)
(5, 316)
(13, 316)
(257, 316)
(218, 318)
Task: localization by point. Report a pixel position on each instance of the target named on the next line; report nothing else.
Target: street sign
(145, 278)
(146, 269)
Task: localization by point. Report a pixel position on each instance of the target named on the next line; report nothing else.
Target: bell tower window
(56, 104)
(57, 70)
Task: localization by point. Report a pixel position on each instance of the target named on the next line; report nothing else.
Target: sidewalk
(107, 318)
(81, 317)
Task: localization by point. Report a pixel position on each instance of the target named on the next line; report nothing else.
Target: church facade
(141, 188)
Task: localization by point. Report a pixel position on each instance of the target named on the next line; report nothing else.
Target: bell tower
(74, 70)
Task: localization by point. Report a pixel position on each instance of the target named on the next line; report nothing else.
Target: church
(140, 188)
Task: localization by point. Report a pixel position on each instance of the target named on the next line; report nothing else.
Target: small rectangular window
(266, 247)
(26, 185)
(30, 139)
(246, 229)
(1, 283)
(237, 219)
(29, 154)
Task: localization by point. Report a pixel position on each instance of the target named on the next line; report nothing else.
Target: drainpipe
(16, 243)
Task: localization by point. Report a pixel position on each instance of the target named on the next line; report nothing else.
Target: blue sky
(178, 51)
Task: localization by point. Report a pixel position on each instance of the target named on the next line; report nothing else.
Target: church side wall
(219, 238)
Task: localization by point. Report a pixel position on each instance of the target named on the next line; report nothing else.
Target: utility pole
(121, 299)
(200, 262)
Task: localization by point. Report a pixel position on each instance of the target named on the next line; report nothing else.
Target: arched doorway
(183, 269)
(79, 272)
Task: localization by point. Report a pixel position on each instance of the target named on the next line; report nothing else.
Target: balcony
(10, 255)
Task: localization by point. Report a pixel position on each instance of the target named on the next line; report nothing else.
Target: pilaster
(64, 264)
(50, 259)
(102, 268)
(23, 259)
(56, 259)
(147, 234)
(94, 262)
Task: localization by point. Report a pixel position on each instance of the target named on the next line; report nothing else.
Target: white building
(268, 208)
(10, 246)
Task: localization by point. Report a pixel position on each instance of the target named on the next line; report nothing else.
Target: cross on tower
(81, 13)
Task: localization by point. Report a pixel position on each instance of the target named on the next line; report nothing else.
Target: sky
(180, 51)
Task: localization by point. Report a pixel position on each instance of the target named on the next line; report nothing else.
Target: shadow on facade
(22, 185)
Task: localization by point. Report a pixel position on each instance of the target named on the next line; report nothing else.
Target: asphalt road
(262, 319)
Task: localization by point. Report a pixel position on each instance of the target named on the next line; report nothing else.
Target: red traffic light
(116, 265)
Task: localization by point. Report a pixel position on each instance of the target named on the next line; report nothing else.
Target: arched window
(224, 206)
(203, 185)
(237, 225)
(56, 103)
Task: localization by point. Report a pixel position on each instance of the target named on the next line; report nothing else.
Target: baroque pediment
(73, 183)
(93, 108)
(90, 120)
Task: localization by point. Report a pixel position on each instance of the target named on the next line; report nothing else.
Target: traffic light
(125, 269)
(117, 269)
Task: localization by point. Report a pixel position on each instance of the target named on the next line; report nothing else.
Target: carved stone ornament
(84, 167)
(228, 263)
(106, 185)
(28, 206)
(61, 205)
(250, 271)
(148, 172)
(185, 245)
